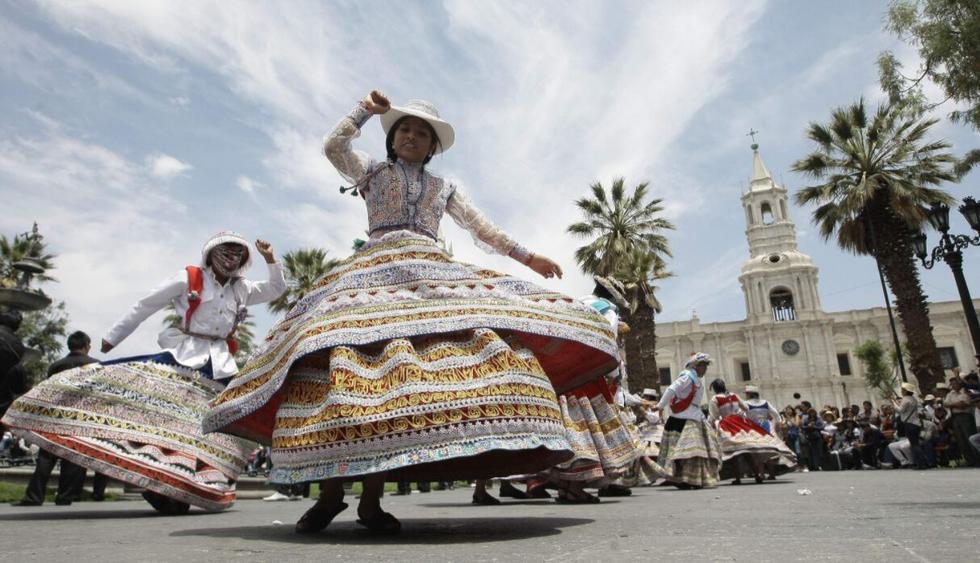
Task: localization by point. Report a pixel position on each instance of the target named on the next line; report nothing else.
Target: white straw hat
(425, 111)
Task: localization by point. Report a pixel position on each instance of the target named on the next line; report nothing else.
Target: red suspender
(680, 405)
(195, 286)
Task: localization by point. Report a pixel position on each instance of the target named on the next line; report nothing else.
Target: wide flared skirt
(403, 360)
(600, 439)
(403, 285)
(138, 422)
(691, 455)
(746, 445)
(441, 407)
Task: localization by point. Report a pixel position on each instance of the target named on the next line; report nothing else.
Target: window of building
(746, 372)
(781, 300)
(947, 357)
(665, 376)
(766, 211)
(844, 364)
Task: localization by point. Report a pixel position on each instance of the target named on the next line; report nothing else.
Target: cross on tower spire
(752, 133)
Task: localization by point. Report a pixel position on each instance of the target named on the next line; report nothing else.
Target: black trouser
(912, 432)
(963, 425)
(70, 481)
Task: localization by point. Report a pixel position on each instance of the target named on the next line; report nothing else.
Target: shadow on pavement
(60, 513)
(536, 502)
(414, 531)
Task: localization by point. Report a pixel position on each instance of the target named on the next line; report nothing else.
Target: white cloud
(183, 102)
(165, 166)
(114, 234)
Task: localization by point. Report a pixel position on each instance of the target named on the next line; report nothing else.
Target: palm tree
(304, 267)
(618, 226)
(877, 176)
(26, 245)
(627, 243)
(638, 271)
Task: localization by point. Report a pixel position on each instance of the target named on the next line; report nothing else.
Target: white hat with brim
(227, 237)
(426, 112)
(648, 392)
(751, 389)
(909, 387)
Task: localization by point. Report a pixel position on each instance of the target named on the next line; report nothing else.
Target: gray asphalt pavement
(850, 516)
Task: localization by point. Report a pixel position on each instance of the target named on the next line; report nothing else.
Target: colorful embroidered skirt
(138, 422)
(402, 360)
(691, 454)
(601, 441)
(745, 445)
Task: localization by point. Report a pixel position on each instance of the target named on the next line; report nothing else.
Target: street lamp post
(950, 250)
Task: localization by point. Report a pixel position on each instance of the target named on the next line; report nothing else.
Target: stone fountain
(21, 297)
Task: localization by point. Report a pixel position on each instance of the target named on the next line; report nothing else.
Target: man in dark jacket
(72, 477)
(13, 378)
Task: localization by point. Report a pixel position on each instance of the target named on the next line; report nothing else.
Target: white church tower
(779, 281)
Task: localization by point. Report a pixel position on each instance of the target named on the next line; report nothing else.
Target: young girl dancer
(404, 364)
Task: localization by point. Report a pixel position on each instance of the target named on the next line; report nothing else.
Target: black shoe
(508, 490)
(382, 523)
(318, 518)
(166, 505)
(25, 502)
(615, 491)
(61, 502)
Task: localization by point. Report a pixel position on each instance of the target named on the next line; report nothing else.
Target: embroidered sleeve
(488, 237)
(351, 164)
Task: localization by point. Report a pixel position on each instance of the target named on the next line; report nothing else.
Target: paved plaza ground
(850, 516)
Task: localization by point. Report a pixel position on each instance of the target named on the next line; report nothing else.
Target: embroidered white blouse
(406, 196)
(213, 319)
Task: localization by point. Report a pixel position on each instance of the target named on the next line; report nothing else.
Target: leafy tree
(627, 243)
(638, 271)
(303, 268)
(947, 36)
(43, 330)
(876, 175)
(878, 374)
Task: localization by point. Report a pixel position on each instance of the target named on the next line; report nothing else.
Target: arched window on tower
(766, 211)
(781, 301)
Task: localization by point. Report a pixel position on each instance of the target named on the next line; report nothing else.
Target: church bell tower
(779, 281)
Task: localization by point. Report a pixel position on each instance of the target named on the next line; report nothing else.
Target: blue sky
(131, 131)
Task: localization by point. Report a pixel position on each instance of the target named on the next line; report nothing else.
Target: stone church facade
(788, 345)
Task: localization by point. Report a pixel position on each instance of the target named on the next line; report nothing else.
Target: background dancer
(768, 418)
(71, 477)
(402, 363)
(690, 453)
(138, 420)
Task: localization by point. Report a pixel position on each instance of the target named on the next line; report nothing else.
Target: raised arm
(351, 164)
(263, 291)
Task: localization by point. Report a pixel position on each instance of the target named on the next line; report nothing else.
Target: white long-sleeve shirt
(760, 412)
(680, 389)
(214, 317)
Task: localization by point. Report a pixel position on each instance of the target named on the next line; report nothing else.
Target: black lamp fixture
(971, 211)
(950, 250)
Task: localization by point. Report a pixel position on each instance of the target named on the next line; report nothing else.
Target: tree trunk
(641, 349)
(898, 263)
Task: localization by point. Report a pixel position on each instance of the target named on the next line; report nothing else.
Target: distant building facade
(787, 344)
